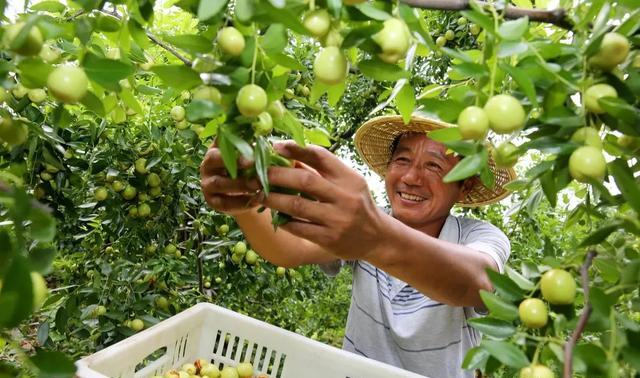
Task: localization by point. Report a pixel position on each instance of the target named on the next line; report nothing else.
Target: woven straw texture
(373, 142)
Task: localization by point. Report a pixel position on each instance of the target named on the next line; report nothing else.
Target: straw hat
(374, 139)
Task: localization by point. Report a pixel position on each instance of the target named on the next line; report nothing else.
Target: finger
(303, 181)
(229, 203)
(298, 207)
(305, 230)
(212, 162)
(220, 184)
(326, 163)
(301, 165)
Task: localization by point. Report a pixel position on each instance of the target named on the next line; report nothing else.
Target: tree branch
(170, 49)
(584, 317)
(556, 17)
(157, 41)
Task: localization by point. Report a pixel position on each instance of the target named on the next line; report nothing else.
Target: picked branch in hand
(556, 17)
(584, 317)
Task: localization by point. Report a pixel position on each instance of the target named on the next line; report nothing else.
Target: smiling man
(417, 271)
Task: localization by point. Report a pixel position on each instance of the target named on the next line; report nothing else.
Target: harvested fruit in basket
(202, 368)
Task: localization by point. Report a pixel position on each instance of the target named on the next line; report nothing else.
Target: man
(416, 273)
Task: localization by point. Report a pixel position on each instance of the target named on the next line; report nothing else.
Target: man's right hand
(224, 194)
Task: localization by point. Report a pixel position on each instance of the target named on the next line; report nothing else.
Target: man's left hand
(343, 218)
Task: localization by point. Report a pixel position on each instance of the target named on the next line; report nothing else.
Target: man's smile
(411, 197)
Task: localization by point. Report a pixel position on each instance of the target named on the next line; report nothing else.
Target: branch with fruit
(584, 317)
(556, 17)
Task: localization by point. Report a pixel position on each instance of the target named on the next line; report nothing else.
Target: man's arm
(238, 198)
(279, 247)
(446, 272)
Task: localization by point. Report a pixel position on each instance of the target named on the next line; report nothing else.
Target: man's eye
(434, 166)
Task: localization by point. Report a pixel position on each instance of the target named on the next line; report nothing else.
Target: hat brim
(374, 140)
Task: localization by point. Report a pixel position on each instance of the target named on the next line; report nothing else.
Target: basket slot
(151, 358)
(275, 364)
(183, 347)
(272, 360)
(241, 351)
(278, 367)
(225, 344)
(217, 345)
(261, 361)
(232, 346)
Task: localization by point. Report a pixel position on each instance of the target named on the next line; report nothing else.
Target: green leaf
(511, 48)
(481, 19)
(406, 102)
(244, 10)
(620, 109)
(201, 110)
(49, 6)
(359, 35)
(262, 153)
(469, 166)
(499, 308)
(601, 301)
(130, 100)
(504, 286)
(43, 225)
(179, 77)
(268, 14)
(519, 279)
(600, 234)
(462, 147)
(106, 72)
(447, 134)
(514, 30)
(53, 365)
(294, 128)
(381, 71)
(626, 182)
(496, 328)
(334, 93)
(318, 136)
(475, 358)
(287, 61)
(445, 109)
(228, 151)
(209, 8)
(524, 82)
(93, 103)
(280, 4)
(466, 69)
(372, 12)
(34, 72)
(16, 296)
(506, 353)
(191, 43)
(40, 258)
(274, 40)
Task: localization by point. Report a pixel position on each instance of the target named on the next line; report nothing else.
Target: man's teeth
(411, 197)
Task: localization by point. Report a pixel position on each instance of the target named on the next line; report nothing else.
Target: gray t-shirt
(392, 322)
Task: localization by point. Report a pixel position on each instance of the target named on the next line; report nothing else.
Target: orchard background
(99, 162)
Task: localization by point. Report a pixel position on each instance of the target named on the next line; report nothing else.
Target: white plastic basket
(225, 338)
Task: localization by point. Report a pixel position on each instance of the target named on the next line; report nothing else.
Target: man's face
(414, 181)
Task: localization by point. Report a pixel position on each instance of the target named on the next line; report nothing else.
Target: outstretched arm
(345, 220)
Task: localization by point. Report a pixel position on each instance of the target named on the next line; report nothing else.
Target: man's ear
(467, 186)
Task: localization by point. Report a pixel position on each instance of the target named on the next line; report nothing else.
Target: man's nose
(413, 176)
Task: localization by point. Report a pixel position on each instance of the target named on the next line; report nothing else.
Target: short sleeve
(332, 268)
(487, 238)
